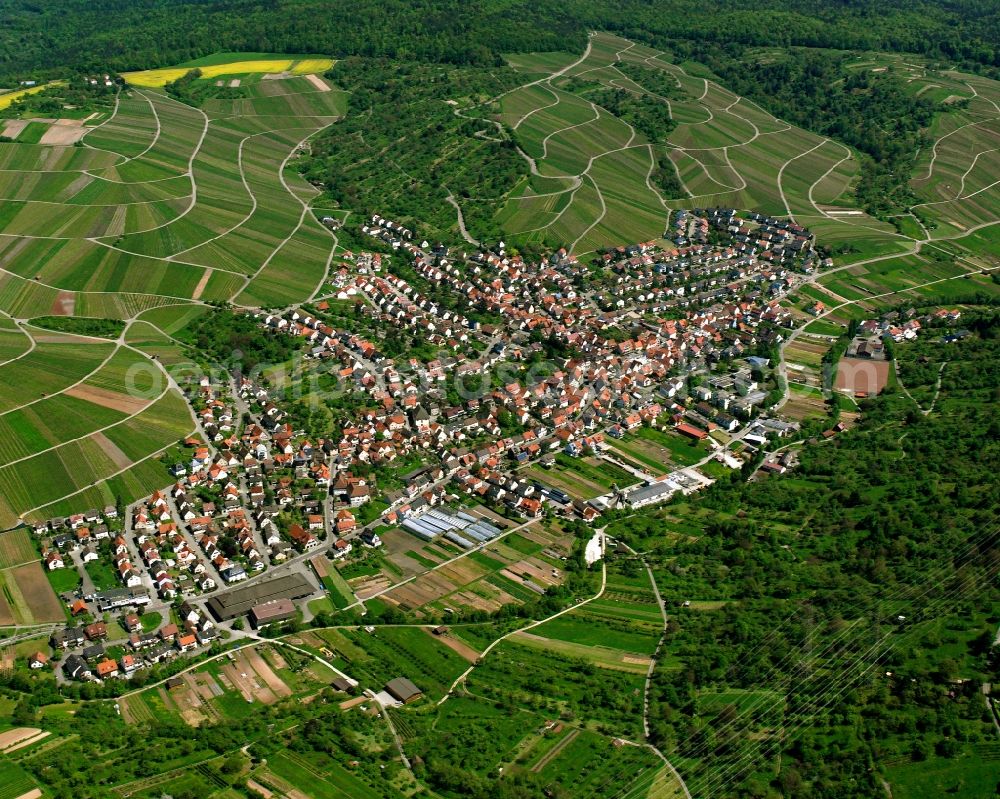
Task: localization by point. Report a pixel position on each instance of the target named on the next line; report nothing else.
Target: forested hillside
(861, 599)
(403, 148)
(40, 35)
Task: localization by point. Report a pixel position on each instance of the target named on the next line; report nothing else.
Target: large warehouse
(239, 601)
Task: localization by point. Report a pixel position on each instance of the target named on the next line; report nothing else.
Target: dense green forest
(862, 592)
(237, 340)
(46, 35)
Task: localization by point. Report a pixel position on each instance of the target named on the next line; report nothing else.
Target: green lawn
(971, 775)
(102, 573)
(150, 621)
(63, 580)
(682, 450)
(590, 630)
(519, 543)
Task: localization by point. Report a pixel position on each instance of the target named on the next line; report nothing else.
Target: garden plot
(804, 402)
(249, 674)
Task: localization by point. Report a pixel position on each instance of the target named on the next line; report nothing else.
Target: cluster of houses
(725, 298)
(655, 336)
(392, 233)
(260, 492)
(762, 237)
(85, 648)
(898, 326)
(81, 531)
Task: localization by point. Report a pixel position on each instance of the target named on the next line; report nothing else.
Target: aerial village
(653, 362)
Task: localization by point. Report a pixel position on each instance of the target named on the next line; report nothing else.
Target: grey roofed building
(75, 668)
(93, 652)
(238, 602)
(403, 689)
(654, 492)
(270, 612)
(120, 598)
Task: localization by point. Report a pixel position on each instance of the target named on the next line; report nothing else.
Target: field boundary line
(462, 677)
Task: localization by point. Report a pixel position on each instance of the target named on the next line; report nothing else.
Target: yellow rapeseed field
(10, 97)
(308, 66)
(160, 77)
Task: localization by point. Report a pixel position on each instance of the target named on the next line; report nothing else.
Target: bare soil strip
(107, 398)
(64, 131)
(457, 646)
(318, 82)
(64, 304)
(17, 735)
(201, 285)
(264, 671)
(27, 742)
(13, 127)
(256, 786)
(39, 598)
(119, 458)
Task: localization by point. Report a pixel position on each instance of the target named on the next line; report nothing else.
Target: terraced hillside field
(160, 210)
(596, 179)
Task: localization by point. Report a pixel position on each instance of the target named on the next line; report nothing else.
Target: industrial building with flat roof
(240, 601)
(650, 493)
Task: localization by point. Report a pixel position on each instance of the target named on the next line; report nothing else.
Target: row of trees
(38, 37)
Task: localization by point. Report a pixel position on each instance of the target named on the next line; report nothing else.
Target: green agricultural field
(335, 784)
(49, 368)
(388, 652)
(557, 684)
(340, 592)
(588, 629)
(166, 205)
(600, 181)
(16, 547)
(14, 781)
(590, 766)
(973, 772)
